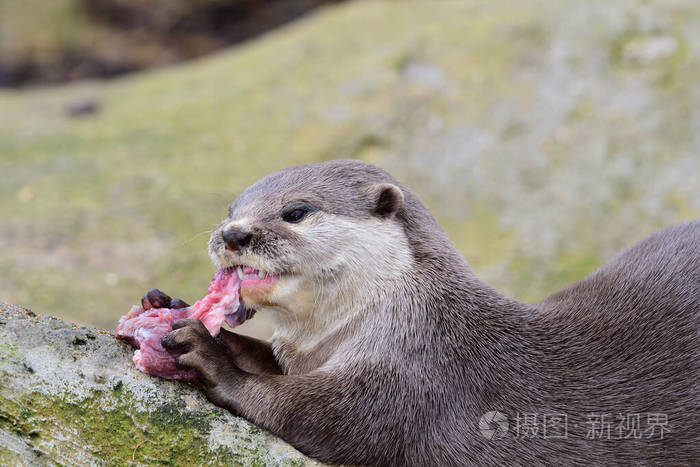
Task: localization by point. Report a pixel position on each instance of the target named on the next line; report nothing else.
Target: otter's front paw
(200, 350)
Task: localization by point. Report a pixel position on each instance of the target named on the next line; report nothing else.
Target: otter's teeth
(239, 270)
(261, 275)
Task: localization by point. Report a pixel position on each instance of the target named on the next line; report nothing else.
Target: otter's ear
(388, 199)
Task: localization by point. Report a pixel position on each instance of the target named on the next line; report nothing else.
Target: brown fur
(407, 382)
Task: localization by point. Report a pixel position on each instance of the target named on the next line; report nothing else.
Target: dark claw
(195, 324)
(154, 298)
(168, 343)
(182, 339)
(176, 303)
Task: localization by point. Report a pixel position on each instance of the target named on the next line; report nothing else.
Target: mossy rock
(70, 395)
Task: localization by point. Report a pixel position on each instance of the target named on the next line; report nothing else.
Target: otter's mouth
(251, 276)
(253, 287)
(252, 280)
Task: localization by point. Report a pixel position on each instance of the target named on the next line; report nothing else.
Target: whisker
(197, 235)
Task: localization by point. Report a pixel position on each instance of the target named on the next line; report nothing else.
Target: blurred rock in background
(65, 40)
(545, 136)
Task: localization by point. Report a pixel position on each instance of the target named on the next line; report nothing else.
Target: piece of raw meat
(144, 329)
(221, 302)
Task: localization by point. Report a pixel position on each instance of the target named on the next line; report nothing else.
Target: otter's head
(310, 239)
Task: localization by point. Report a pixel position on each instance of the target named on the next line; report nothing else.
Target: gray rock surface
(70, 395)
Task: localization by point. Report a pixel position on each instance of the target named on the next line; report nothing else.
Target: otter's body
(389, 350)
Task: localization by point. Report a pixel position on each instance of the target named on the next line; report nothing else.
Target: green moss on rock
(87, 404)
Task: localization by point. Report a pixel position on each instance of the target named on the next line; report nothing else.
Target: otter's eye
(295, 215)
(296, 211)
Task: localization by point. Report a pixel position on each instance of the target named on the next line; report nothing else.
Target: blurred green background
(544, 135)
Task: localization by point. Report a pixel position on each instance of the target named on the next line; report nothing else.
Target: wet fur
(402, 369)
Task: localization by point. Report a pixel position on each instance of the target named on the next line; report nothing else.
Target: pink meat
(221, 302)
(145, 329)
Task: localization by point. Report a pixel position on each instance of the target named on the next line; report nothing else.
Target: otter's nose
(236, 239)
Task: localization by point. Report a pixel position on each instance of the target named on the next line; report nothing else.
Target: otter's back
(625, 339)
(659, 275)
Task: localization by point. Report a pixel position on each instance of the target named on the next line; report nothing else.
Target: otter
(388, 350)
